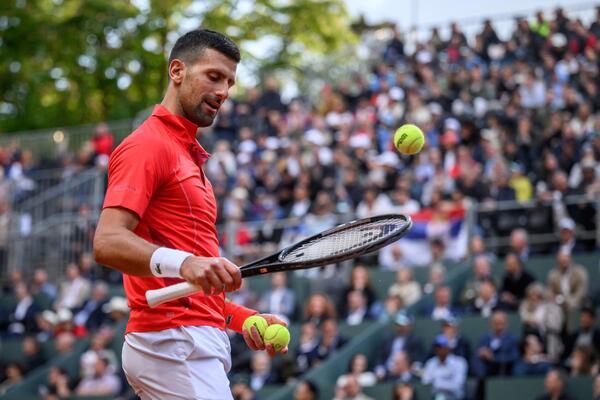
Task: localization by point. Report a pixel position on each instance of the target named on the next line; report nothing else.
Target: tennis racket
(346, 241)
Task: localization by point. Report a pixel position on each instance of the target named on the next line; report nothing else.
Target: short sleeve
(135, 171)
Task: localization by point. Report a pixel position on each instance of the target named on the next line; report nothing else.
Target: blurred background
(492, 295)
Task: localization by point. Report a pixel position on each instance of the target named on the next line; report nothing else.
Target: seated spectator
(405, 287)
(442, 307)
(555, 386)
(261, 372)
(404, 391)
(22, 317)
(437, 274)
(46, 325)
(403, 339)
(445, 372)
(487, 300)
(392, 257)
(543, 318)
(400, 370)
(567, 242)
(279, 299)
(497, 350)
(482, 270)
(242, 391)
(459, 345)
(14, 373)
(391, 306)
(98, 349)
(582, 361)
(519, 243)
(306, 353)
(306, 390)
(359, 281)
(587, 335)
(359, 369)
(533, 361)
(374, 202)
(319, 308)
(91, 314)
(33, 356)
(568, 284)
(515, 281)
(351, 390)
(57, 384)
(104, 382)
(74, 290)
(65, 343)
(357, 309)
(42, 286)
(65, 323)
(331, 340)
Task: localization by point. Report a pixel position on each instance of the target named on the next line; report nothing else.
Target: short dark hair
(191, 45)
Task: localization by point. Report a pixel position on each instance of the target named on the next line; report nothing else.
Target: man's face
(203, 85)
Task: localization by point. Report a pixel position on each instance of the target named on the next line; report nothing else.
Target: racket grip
(160, 296)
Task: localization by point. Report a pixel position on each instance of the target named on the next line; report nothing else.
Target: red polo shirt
(156, 173)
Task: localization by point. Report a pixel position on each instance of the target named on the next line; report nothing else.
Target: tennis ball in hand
(409, 139)
(259, 322)
(277, 335)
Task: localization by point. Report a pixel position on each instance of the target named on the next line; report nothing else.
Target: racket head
(346, 241)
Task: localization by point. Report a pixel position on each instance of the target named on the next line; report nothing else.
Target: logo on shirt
(158, 268)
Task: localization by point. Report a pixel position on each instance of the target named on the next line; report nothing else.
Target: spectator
(91, 314)
(14, 373)
(582, 361)
(445, 372)
(306, 353)
(117, 309)
(97, 350)
(568, 283)
(458, 344)
(566, 236)
(519, 244)
(242, 391)
(359, 281)
(482, 271)
(33, 356)
(65, 343)
(319, 308)
(403, 339)
(103, 140)
(555, 386)
(22, 318)
(306, 390)
(57, 385)
(442, 307)
(357, 308)
(102, 383)
(46, 323)
(405, 287)
(487, 300)
(534, 361)
(437, 274)
(515, 281)
(331, 340)
(392, 258)
(400, 370)
(497, 351)
(42, 286)
(261, 372)
(74, 291)
(543, 318)
(279, 299)
(351, 390)
(404, 391)
(586, 336)
(359, 369)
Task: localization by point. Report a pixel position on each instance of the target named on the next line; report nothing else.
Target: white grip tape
(157, 297)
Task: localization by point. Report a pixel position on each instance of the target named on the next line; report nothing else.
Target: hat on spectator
(118, 304)
(396, 93)
(64, 315)
(441, 341)
(316, 137)
(567, 223)
(451, 124)
(50, 316)
(402, 319)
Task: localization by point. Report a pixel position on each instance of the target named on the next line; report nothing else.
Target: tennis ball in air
(277, 335)
(409, 139)
(259, 322)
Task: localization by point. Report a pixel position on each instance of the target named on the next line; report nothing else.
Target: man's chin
(203, 120)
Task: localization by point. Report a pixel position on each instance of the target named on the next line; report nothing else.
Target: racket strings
(344, 241)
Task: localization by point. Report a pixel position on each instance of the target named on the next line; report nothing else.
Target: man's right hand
(213, 274)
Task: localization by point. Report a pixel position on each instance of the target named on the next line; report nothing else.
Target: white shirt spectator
(448, 377)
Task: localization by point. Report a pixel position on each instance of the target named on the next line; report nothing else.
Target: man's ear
(176, 71)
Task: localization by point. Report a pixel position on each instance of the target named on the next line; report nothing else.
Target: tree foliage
(65, 62)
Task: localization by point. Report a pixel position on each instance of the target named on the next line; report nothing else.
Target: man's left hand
(255, 341)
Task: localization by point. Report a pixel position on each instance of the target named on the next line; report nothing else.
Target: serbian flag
(447, 224)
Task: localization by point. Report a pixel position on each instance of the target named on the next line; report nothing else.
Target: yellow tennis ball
(409, 139)
(277, 335)
(259, 322)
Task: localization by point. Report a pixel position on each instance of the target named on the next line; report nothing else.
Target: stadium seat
(530, 388)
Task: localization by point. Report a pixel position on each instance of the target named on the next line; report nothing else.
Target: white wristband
(166, 263)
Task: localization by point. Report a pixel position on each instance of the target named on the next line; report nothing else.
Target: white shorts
(189, 362)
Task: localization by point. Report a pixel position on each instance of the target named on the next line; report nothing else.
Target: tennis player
(158, 228)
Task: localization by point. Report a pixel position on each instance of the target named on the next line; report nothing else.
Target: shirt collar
(184, 130)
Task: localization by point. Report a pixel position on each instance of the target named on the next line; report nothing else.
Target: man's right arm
(118, 247)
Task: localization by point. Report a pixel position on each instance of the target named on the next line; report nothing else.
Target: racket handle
(160, 296)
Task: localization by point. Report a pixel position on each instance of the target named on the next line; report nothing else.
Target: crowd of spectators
(515, 119)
